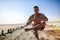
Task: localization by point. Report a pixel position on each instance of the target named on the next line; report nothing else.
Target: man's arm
(29, 20)
(45, 18)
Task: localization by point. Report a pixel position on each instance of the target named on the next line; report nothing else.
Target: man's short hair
(36, 7)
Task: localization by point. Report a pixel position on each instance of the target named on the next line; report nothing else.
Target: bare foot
(26, 29)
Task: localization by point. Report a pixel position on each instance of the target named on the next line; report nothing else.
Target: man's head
(36, 9)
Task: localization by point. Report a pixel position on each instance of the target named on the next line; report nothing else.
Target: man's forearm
(27, 24)
(29, 21)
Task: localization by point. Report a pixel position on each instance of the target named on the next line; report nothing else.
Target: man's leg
(36, 34)
(28, 29)
(37, 27)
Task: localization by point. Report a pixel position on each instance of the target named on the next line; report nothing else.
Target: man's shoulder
(38, 13)
(41, 14)
(32, 16)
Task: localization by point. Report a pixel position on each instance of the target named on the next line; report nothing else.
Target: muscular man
(39, 20)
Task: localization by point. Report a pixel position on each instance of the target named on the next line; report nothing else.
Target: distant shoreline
(24, 23)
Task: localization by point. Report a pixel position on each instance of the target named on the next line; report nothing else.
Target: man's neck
(36, 13)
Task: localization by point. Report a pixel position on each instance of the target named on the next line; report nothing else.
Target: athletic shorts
(39, 28)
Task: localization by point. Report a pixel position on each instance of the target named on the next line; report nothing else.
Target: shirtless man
(39, 20)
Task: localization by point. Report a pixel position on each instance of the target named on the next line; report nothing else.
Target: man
(39, 20)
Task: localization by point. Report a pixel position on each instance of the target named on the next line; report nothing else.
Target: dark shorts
(39, 28)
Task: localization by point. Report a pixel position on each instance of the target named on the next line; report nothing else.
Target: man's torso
(36, 18)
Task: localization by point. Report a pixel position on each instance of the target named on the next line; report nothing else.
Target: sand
(20, 34)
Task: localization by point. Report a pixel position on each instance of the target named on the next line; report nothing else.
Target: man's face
(36, 10)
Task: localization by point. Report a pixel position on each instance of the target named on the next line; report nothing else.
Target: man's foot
(27, 29)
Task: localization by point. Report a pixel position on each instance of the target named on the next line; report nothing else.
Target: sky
(18, 11)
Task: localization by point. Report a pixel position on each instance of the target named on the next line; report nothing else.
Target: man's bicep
(45, 17)
(31, 17)
(29, 20)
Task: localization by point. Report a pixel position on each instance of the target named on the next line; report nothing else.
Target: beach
(49, 33)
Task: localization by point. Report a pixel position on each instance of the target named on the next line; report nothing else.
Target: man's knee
(43, 24)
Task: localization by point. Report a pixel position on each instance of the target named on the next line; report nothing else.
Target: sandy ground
(20, 34)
